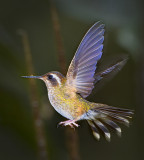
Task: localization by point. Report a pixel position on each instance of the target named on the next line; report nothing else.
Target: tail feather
(105, 116)
(94, 129)
(113, 125)
(116, 111)
(117, 117)
(103, 128)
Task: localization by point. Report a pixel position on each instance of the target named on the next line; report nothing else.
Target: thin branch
(71, 135)
(34, 99)
(58, 38)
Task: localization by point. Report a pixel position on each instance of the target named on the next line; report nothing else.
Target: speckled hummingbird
(67, 94)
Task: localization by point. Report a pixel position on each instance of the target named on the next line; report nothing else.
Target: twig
(58, 38)
(40, 137)
(71, 135)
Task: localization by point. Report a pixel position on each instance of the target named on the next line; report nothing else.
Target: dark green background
(124, 20)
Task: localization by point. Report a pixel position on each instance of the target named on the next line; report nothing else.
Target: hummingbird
(67, 94)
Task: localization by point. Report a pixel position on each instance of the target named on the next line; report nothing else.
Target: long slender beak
(36, 77)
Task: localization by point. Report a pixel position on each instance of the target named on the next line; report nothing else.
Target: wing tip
(99, 23)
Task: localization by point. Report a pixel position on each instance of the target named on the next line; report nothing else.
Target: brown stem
(71, 135)
(58, 38)
(34, 100)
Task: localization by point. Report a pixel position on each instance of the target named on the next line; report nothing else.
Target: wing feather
(80, 75)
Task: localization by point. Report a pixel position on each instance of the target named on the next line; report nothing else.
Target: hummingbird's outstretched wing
(108, 73)
(81, 71)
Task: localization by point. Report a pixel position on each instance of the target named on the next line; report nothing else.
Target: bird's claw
(70, 123)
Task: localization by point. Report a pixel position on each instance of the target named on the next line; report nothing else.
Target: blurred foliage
(124, 34)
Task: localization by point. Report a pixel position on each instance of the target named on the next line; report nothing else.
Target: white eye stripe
(57, 78)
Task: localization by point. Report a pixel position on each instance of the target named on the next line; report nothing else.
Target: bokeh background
(124, 20)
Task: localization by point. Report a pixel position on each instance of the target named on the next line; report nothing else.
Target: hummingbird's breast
(68, 104)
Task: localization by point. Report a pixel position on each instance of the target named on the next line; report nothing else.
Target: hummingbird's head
(51, 79)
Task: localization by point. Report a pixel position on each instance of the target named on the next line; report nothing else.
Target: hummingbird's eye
(50, 76)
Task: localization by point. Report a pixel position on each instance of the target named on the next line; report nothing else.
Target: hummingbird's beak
(36, 77)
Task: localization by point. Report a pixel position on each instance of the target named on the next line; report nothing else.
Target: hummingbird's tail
(103, 116)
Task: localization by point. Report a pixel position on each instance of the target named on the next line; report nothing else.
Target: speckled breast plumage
(70, 108)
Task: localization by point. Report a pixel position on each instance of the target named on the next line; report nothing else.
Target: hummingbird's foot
(70, 123)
